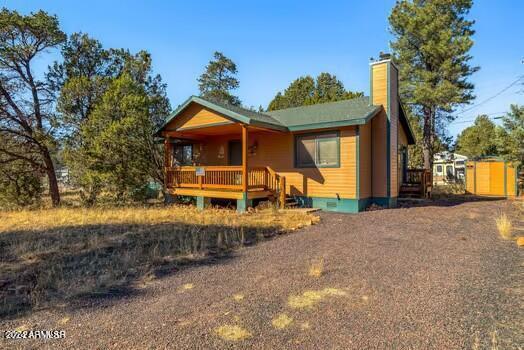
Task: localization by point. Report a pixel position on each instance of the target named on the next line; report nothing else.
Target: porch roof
(235, 113)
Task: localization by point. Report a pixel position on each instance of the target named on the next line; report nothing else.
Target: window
(439, 169)
(317, 150)
(449, 171)
(183, 154)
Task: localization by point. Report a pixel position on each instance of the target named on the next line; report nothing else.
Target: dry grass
(282, 321)
(232, 332)
(312, 297)
(451, 190)
(316, 269)
(504, 226)
(65, 217)
(63, 254)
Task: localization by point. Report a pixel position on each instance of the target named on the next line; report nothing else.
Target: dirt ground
(436, 276)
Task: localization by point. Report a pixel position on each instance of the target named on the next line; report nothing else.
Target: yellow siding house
(339, 156)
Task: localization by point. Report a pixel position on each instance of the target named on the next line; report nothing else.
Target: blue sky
(274, 42)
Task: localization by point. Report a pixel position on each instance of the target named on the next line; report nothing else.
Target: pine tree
(100, 92)
(308, 91)
(431, 48)
(511, 135)
(27, 115)
(478, 140)
(219, 79)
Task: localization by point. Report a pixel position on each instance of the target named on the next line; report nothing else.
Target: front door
(235, 152)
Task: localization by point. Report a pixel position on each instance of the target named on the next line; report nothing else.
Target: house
(338, 156)
(448, 167)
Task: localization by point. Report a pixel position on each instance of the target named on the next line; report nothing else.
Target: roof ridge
(321, 104)
(228, 105)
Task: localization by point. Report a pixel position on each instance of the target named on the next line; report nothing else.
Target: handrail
(421, 177)
(227, 178)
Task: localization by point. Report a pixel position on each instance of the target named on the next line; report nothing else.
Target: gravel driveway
(433, 277)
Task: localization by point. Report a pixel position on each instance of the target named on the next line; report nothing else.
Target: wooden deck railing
(222, 177)
(421, 177)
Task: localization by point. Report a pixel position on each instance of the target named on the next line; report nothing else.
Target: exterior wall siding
(196, 115)
(379, 94)
(491, 178)
(393, 110)
(365, 168)
(511, 181)
(276, 150)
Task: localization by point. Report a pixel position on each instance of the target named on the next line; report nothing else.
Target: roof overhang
(404, 121)
(228, 114)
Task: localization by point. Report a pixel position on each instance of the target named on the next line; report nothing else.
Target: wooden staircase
(417, 184)
(290, 202)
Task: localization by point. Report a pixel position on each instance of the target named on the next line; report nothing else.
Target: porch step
(410, 191)
(291, 202)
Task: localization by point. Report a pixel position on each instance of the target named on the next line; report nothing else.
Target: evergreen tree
(115, 151)
(308, 91)
(478, 140)
(27, 116)
(299, 93)
(511, 136)
(431, 48)
(416, 154)
(90, 81)
(219, 79)
(20, 181)
(81, 78)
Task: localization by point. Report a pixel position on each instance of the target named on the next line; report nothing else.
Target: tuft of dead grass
(238, 297)
(312, 297)
(282, 321)
(316, 269)
(504, 226)
(63, 254)
(232, 333)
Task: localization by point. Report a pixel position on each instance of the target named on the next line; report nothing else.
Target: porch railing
(222, 177)
(422, 178)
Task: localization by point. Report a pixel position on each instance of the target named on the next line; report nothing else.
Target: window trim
(297, 137)
(182, 145)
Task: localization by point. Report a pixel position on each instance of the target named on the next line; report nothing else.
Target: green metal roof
(355, 111)
(231, 112)
(331, 114)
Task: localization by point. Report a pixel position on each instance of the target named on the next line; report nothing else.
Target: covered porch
(212, 161)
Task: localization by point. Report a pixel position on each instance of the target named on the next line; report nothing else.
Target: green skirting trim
(344, 205)
(388, 202)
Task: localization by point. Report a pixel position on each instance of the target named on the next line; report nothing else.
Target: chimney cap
(384, 56)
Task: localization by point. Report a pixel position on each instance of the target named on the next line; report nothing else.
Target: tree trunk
(428, 139)
(51, 178)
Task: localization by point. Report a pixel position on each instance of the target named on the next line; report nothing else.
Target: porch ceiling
(215, 130)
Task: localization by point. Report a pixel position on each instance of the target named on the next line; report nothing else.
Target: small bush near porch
(52, 255)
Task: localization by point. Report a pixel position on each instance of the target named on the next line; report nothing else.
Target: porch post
(167, 158)
(242, 204)
(244, 158)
